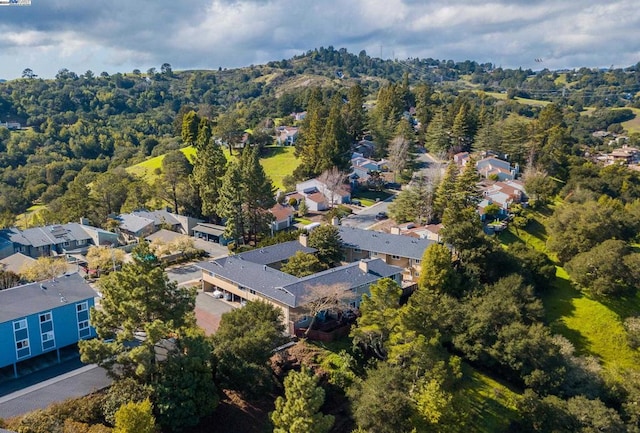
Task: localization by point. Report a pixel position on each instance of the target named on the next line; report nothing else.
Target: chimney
(303, 240)
(395, 230)
(364, 266)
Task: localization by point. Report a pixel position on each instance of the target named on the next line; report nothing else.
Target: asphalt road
(366, 217)
(75, 383)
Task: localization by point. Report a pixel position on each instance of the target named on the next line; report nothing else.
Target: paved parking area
(75, 383)
(209, 311)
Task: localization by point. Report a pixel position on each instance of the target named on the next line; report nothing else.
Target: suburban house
(393, 249)
(282, 217)
(286, 135)
(361, 167)
(503, 194)
(319, 196)
(254, 276)
(11, 125)
(142, 223)
(365, 147)
(461, 158)
(430, 232)
(492, 166)
(44, 317)
(15, 262)
(299, 117)
(53, 240)
(625, 155)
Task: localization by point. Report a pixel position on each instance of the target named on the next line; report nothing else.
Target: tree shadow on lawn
(271, 151)
(623, 305)
(559, 303)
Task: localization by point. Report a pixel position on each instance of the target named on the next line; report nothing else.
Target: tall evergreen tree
(229, 208)
(299, 410)
(208, 170)
(335, 144)
(190, 123)
(355, 116)
(312, 130)
(437, 137)
(446, 189)
(259, 193)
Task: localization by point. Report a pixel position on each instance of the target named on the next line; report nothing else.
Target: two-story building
(255, 276)
(394, 249)
(43, 317)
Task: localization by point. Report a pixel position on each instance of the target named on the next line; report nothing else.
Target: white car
(217, 294)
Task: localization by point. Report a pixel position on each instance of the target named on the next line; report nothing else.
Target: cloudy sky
(121, 35)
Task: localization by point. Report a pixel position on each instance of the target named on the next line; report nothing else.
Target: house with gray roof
(142, 223)
(43, 317)
(53, 240)
(253, 276)
(394, 249)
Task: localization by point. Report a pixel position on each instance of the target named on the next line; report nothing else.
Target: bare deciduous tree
(333, 179)
(324, 297)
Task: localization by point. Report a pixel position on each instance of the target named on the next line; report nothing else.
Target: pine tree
(258, 191)
(138, 302)
(355, 116)
(311, 133)
(446, 189)
(232, 197)
(437, 137)
(299, 410)
(208, 170)
(461, 129)
(335, 144)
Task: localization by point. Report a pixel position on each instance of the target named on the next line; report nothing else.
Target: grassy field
(277, 162)
(368, 198)
(31, 218)
(148, 169)
(527, 101)
(633, 125)
(593, 326)
(491, 405)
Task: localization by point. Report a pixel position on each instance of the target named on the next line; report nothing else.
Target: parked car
(381, 216)
(217, 294)
(356, 202)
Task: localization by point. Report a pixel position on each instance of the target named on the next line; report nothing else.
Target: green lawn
(147, 169)
(491, 405)
(278, 162)
(593, 326)
(633, 125)
(368, 198)
(527, 101)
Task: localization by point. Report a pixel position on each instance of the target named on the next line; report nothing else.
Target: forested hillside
(532, 330)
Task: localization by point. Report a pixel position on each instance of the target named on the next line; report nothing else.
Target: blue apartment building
(43, 317)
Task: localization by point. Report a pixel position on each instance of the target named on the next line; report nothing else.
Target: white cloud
(122, 35)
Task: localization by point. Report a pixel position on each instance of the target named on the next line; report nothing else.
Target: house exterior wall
(411, 267)
(212, 282)
(63, 326)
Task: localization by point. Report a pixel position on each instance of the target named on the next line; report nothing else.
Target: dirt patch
(234, 414)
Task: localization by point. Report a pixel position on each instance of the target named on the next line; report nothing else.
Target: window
(253, 292)
(81, 241)
(83, 329)
(45, 317)
(357, 250)
(395, 257)
(66, 244)
(83, 320)
(417, 262)
(21, 337)
(20, 324)
(47, 336)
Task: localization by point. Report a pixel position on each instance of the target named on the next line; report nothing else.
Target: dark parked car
(381, 216)
(356, 202)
